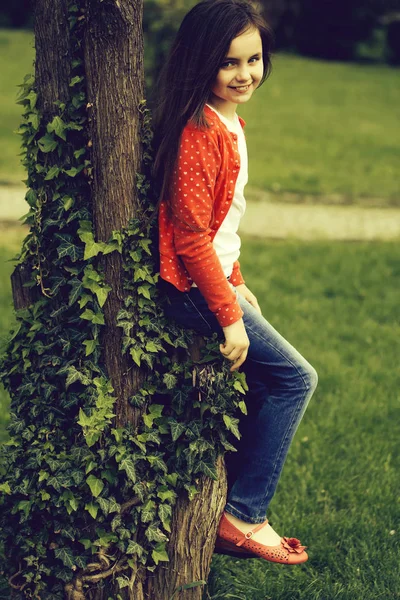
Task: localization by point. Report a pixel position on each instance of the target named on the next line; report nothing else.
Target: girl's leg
(281, 383)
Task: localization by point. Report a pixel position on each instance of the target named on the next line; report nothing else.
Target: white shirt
(227, 241)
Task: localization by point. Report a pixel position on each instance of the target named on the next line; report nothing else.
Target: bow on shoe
(293, 545)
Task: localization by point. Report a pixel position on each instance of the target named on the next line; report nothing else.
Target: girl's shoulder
(212, 127)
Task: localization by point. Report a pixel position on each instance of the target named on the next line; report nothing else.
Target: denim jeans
(281, 383)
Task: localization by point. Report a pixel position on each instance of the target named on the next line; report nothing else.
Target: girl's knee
(311, 377)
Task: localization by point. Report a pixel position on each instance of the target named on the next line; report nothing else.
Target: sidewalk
(274, 220)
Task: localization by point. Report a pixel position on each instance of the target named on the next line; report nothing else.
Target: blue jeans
(281, 383)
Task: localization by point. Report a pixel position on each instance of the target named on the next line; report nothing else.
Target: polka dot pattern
(202, 191)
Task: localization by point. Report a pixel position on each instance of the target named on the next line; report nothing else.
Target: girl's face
(239, 74)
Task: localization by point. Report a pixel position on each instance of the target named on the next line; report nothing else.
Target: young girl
(221, 54)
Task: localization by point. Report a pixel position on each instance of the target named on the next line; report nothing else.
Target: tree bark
(113, 49)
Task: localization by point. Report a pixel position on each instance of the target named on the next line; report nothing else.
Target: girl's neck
(228, 110)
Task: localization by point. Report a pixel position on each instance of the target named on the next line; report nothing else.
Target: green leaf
(92, 509)
(96, 485)
(148, 511)
(242, 406)
(238, 386)
(75, 80)
(134, 548)
(58, 126)
(5, 487)
(232, 424)
(47, 143)
(154, 534)
(165, 514)
(68, 202)
(176, 429)
(65, 555)
(144, 290)
(166, 495)
(128, 466)
(67, 247)
(52, 173)
(91, 346)
(73, 171)
(159, 554)
(136, 354)
(207, 469)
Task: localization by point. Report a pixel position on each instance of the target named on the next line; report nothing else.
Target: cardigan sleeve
(192, 200)
(236, 278)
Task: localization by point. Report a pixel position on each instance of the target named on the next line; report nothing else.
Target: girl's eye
(226, 64)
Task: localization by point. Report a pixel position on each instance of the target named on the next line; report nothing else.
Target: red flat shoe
(231, 540)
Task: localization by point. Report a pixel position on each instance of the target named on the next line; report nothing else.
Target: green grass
(326, 128)
(16, 58)
(339, 493)
(315, 127)
(11, 238)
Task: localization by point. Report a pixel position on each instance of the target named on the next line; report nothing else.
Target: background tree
(112, 429)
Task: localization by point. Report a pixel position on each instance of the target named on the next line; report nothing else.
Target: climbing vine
(81, 499)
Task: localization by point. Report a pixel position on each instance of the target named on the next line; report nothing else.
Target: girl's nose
(243, 73)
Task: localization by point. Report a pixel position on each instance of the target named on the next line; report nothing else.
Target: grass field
(16, 57)
(338, 304)
(313, 128)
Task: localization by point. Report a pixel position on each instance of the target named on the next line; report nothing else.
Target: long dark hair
(192, 65)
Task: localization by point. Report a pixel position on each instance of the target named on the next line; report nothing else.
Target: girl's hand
(249, 296)
(236, 344)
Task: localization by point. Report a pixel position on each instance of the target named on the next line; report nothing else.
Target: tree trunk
(113, 51)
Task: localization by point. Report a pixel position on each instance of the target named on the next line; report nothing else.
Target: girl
(221, 54)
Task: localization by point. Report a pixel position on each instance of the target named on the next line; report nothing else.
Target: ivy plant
(81, 499)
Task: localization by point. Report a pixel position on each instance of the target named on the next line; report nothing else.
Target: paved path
(270, 219)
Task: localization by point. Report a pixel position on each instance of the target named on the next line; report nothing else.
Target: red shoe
(231, 540)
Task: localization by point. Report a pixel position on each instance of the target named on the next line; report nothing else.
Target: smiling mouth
(240, 88)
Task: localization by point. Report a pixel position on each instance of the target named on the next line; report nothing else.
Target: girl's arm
(192, 203)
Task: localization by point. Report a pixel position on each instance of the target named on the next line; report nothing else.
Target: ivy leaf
(154, 534)
(128, 466)
(58, 126)
(67, 247)
(91, 346)
(73, 171)
(242, 406)
(207, 469)
(238, 386)
(159, 554)
(52, 173)
(136, 354)
(232, 425)
(144, 290)
(92, 509)
(165, 514)
(167, 495)
(176, 429)
(67, 202)
(134, 548)
(47, 143)
(76, 291)
(148, 511)
(66, 556)
(5, 487)
(157, 463)
(96, 485)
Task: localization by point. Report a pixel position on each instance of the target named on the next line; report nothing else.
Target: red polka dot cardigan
(202, 191)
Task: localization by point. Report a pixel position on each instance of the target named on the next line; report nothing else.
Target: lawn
(338, 304)
(16, 57)
(326, 128)
(314, 127)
